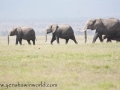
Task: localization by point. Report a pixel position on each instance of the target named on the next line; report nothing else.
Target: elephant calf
(26, 33)
(109, 38)
(60, 31)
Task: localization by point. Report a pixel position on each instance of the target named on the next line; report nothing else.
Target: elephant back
(111, 24)
(28, 32)
(66, 29)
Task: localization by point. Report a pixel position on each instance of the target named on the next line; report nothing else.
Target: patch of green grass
(99, 67)
(106, 85)
(100, 86)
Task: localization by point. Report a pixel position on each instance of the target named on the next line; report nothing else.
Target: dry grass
(72, 67)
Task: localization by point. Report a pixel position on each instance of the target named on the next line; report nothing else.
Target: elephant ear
(98, 23)
(18, 30)
(15, 31)
(54, 28)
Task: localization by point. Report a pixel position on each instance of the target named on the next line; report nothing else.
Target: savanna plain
(69, 67)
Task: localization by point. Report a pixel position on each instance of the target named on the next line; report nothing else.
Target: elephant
(109, 38)
(26, 33)
(60, 31)
(108, 27)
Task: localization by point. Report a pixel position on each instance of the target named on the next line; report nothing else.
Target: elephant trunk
(85, 33)
(46, 36)
(8, 39)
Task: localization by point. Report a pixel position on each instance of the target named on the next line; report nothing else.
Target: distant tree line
(40, 26)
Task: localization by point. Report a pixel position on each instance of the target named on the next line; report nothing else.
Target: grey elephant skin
(109, 38)
(26, 33)
(60, 31)
(109, 27)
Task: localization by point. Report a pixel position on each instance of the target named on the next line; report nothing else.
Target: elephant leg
(57, 40)
(67, 41)
(16, 40)
(29, 42)
(117, 37)
(73, 38)
(108, 39)
(33, 42)
(95, 37)
(53, 39)
(100, 37)
(20, 41)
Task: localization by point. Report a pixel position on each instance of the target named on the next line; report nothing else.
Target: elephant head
(12, 32)
(92, 24)
(51, 29)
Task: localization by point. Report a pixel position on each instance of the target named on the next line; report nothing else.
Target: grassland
(72, 67)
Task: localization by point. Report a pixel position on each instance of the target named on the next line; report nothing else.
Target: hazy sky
(37, 9)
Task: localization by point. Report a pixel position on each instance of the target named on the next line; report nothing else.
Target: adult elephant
(60, 31)
(26, 33)
(107, 27)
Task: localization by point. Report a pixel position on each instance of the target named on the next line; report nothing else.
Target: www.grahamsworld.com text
(41, 84)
